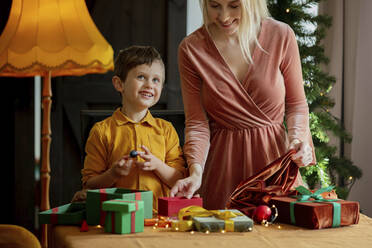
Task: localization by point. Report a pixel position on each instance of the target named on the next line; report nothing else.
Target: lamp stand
(45, 158)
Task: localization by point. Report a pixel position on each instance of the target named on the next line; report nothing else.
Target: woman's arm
(197, 133)
(297, 111)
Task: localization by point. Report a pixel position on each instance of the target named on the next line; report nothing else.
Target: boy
(139, 77)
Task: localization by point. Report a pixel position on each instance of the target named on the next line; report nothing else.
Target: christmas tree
(310, 29)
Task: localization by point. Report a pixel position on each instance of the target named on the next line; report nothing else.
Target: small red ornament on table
(261, 213)
(84, 226)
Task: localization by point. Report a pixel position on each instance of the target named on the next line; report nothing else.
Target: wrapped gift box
(69, 214)
(158, 222)
(240, 223)
(95, 198)
(124, 216)
(169, 206)
(315, 215)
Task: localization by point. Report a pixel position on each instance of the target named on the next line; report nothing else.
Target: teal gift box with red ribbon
(309, 209)
(123, 216)
(68, 214)
(96, 215)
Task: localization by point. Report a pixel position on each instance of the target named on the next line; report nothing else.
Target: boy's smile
(142, 88)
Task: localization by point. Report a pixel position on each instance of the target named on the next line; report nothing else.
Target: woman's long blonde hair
(253, 12)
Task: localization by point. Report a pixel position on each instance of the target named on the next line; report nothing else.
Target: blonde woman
(240, 75)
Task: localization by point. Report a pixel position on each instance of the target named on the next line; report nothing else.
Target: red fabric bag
(276, 179)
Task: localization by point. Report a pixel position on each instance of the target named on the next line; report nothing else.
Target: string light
(350, 178)
(99, 226)
(207, 232)
(250, 229)
(223, 231)
(287, 10)
(176, 228)
(279, 227)
(192, 232)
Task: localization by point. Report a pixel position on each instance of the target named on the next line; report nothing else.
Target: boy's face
(142, 86)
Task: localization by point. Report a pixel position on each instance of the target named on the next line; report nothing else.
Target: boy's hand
(80, 196)
(151, 161)
(123, 166)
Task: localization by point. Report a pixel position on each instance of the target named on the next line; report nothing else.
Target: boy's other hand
(123, 166)
(80, 196)
(151, 161)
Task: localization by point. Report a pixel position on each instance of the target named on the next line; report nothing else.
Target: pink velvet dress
(234, 129)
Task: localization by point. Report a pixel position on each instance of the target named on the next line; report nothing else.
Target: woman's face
(225, 14)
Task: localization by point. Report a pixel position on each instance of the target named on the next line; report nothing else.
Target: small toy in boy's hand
(133, 154)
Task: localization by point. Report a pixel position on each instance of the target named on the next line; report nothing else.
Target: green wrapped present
(230, 220)
(124, 216)
(69, 214)
(95, 198)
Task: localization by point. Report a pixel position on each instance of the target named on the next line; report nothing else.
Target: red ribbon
(133, 219)
(137, 196)
(54, 216)
(103, 197)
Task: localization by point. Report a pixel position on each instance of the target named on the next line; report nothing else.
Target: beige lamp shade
(56, 36)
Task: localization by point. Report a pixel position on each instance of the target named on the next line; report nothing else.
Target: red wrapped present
(313, 211)
(169, 206)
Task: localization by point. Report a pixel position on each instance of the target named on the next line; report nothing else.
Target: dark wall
(161, 23)
(17, 125)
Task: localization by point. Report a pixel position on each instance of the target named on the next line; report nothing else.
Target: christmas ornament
(261, 213)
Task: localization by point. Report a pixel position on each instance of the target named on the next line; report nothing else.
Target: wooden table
(358, 236)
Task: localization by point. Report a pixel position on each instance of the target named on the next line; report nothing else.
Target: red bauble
(261, 213)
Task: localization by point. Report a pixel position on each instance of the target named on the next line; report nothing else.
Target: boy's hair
(133, 56)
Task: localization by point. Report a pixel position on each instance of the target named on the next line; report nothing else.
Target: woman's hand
(304, 154)
(188, 186)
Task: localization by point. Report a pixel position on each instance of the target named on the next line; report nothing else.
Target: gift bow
(196, 211)
(306, 195)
